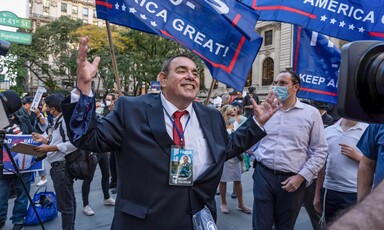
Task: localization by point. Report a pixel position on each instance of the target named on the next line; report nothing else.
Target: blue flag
(221, 33)
(345, 19)
(316, 60)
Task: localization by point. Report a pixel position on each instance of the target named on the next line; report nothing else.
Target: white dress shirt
(193, 136)
(295, 141)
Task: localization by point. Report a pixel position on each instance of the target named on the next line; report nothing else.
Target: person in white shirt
(288, 158)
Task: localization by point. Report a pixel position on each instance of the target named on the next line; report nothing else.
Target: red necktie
(177, 124)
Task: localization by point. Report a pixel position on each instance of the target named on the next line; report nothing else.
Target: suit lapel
(208, 129)
(156, 123)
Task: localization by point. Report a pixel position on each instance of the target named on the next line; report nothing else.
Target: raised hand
(85, 70)
(265, 110)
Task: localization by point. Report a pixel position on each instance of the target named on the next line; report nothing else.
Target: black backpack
(80, 163)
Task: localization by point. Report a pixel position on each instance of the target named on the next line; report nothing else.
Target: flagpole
(116, 72)
(210, 91)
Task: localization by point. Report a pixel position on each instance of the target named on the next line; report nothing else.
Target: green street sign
(16, 37)
(2, 77)
(8, 18)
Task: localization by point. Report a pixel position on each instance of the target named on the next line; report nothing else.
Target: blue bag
(46, 207)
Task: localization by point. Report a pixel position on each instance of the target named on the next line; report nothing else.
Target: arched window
(268, 66)
(249, 79)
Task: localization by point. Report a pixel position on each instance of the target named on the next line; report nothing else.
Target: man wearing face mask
(109, 102)
(288, 158)
(56, 147)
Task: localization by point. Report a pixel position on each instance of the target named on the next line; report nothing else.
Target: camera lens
(370, 80)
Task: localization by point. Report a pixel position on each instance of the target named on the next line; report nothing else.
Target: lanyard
(181, 135)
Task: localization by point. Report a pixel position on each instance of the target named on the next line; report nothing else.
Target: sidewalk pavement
(104, 214)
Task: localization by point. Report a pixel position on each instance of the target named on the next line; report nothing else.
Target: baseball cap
(27, 99)
(251, 89)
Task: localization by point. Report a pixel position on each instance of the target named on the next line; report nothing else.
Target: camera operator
(8, 181)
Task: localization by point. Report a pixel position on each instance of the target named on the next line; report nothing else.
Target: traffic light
(361, 81)
(4, 46)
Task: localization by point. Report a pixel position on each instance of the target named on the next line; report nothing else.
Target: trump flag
(220, 32)
(345, 19)
(316, 60)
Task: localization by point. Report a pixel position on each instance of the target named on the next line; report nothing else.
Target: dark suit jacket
(135, 129)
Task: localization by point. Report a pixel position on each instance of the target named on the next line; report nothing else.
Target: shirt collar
(56, 118)
(171, 108)
(298, 104)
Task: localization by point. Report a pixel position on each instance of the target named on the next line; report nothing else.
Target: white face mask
(108, 103)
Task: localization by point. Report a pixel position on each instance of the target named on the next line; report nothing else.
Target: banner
(220, 32)
(345, 19)
(25, 163)
(316, 60)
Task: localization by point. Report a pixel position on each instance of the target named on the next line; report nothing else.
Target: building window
(46, 3)
(249, 79)
(268, 37)
(74, 10)
(85, 12)
(64, 7)
(268, 66)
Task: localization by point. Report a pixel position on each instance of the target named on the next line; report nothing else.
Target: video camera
(4, 47)
(361, 81)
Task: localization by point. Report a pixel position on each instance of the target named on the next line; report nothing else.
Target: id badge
(181, 167)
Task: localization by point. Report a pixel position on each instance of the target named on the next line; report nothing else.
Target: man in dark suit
(141, 131)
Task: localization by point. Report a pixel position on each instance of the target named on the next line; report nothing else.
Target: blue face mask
(231, 120)
(282, 92)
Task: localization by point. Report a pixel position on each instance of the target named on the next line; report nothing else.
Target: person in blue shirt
(371, 167)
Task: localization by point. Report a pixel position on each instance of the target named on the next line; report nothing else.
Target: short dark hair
(295, 77)
(112, 95)
(54, 101)
(167, 63)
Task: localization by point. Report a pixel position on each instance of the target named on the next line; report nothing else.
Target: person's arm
(252, 130)
(365, 177)
(351, 152)
(319, 185)
(365, 215)
(317, 149)
(84, 130)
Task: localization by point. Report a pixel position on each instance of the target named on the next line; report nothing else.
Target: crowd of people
(302, 155)
(44, 124)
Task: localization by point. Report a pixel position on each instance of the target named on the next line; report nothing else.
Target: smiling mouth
(188, 86)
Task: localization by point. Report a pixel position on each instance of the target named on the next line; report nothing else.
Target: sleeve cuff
(75, 95)
(257, 123)
(307, 174)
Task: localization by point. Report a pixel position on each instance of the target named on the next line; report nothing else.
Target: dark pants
(335, 202)
(66, 201)
(272, 204)
(308, 204)
(112, 166)
(102, 160)
(21, 202)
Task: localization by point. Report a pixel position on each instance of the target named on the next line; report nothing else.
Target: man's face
(27, 106)
(185, 159)
(182, 83)
(108, 100)
(285, 79)
(52, 111)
